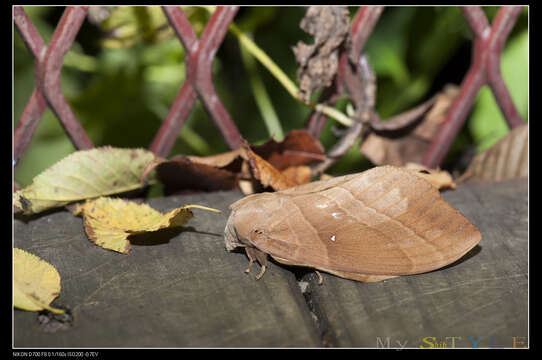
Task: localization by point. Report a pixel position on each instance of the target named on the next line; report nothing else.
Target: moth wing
(317, 186)
(343, 274)
(385, 221)
(309, 188)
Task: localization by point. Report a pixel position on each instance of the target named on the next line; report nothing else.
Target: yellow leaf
(85, 174)
(109, 221)
(36, 283)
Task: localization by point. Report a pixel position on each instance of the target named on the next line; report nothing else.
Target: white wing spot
(332, 237)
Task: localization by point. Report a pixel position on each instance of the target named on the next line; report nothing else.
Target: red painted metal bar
(182, 105)
(36, 105)
(48, 72)
(28, 122)
(199, 58)
(178, 113)
(501, 28)
(485, 68)
(202, 79)
(28, 31)
(362, 27)
(477, 20)
(457, 114)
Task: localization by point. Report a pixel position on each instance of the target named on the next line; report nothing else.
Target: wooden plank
(183, 289)
(480, 300)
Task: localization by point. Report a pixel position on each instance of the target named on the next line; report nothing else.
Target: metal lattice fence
(488, 44)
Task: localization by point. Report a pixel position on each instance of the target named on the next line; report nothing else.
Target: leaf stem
(261, 96)
(202, 208)
(265, 60)
(277, 72)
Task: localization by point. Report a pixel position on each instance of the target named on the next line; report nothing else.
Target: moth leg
(259, 276)
(320, 278)
(250, 260)
(253, 255)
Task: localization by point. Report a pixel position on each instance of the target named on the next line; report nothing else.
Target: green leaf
(387, 46)
(83, 175)
(487, 124)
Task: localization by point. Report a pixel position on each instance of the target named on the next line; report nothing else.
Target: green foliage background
(121, 78)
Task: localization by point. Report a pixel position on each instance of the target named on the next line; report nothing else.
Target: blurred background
(126, 66)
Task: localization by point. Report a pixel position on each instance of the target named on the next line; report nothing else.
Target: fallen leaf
(247, 182)
(110, 221)
(292, 176)
(266, 173)
(440, 179)
(410, 143)
(270, 175)
(437, 114)
(231, 170)
(297, 148)
(36, 283)
(218, 160)
(84, 175)
(298, 174)
(325, 176)
(182, 173)
(507, 159)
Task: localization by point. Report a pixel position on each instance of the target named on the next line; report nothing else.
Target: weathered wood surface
(185, 290)
(482, 296)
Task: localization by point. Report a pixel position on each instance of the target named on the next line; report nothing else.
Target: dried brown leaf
(248, 187)
(219, 160)
(266, 173)
(440, 179)
(298, 174)
(318, 63)
(297, 148)
(507, 159)
(231, 170)
(325, 176)
(411, 143)
(181, 174)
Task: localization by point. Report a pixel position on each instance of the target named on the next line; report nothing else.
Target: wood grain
(185, 290)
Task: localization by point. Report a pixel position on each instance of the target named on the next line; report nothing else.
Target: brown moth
(371, 226)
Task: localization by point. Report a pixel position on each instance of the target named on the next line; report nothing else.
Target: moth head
(247, 214)
(230, 234)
